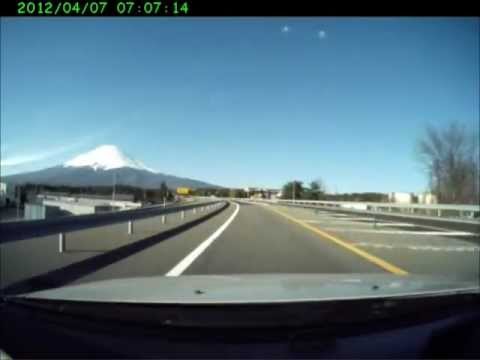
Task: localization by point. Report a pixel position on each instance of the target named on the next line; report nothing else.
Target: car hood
(251, 289)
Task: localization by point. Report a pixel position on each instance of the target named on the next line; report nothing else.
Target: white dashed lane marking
(406, 232)
(420, 247)
(396, 224)
(402, 231)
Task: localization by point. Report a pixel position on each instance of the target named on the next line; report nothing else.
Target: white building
(427, 198)
(7, 194)
(262, 193)
(121, 204)
(274, 194)
(80, 206)
(400, 197)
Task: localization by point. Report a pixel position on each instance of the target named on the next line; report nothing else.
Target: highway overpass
(233, 236)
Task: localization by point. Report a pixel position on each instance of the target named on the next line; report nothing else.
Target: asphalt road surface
(246, 238)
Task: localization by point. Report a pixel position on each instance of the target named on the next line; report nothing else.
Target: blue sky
(239, 101)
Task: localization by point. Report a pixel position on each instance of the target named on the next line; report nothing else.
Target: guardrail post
(439, 212)
(183, 214)
(61, 242)
(164, 219)
(130, 227)
(194, 210)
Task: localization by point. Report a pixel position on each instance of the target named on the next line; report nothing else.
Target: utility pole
(114, 183)
(293, 190)
(19, 197)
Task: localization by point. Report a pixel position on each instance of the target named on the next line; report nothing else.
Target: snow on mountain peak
(105, 157)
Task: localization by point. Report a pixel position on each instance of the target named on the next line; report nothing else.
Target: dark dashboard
(66, 330)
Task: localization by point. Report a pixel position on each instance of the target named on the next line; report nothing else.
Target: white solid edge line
(190, 258)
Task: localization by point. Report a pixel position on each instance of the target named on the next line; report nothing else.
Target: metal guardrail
(63, 254)
(447, 210)
(438, 222)
(13, 231)
(382, 204)
(431, 210)
(187, 213)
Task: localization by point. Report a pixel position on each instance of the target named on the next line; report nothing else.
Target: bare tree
(450, 157)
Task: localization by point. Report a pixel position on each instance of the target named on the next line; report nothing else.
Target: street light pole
(114, 183)
(19, 197)
(293, 190)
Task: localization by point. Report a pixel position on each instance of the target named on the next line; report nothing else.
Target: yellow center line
(372, 258)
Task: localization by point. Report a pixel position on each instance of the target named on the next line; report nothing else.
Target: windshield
(245, 159)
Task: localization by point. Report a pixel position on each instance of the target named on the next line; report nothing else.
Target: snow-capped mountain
(99, 167)
(105, 157)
